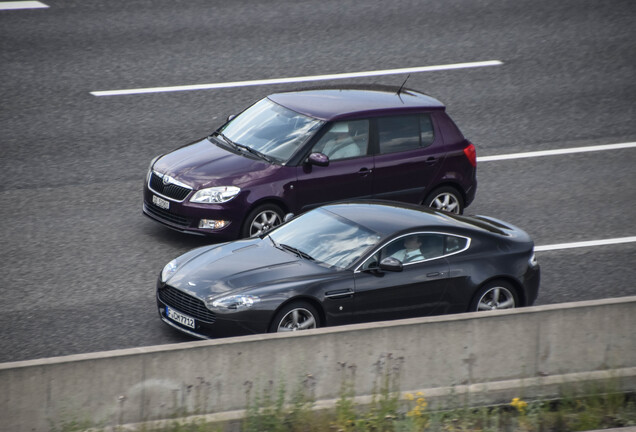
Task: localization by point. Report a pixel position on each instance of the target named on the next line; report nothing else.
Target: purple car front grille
(169, 190)
(185, 303)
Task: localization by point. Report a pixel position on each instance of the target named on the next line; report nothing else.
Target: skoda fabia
(293, 151)
(349, 263)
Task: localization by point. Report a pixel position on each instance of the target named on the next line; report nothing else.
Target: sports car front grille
(186, 303)
(170, 190)
(166, 215)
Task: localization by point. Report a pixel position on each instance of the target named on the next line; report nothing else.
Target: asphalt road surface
(78, 261)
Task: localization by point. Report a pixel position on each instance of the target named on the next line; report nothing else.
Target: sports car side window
(418, 247)
(372, 263)
(454, 244)
(415, 247)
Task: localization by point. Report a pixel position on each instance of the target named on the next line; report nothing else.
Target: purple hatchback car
(294, 151)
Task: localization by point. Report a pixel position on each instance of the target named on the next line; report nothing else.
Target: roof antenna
(402, 86)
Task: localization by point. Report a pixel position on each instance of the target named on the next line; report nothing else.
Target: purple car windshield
(325, 237)
(271, 129)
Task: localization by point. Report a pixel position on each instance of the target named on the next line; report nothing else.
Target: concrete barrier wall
(468, 352)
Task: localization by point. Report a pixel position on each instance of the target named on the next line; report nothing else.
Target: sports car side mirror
(391, 264)
(318, 159)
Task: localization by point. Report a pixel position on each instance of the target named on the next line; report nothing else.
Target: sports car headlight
(213, 195)
(232, 303)
(169, 270)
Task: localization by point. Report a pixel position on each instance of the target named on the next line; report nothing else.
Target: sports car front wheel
(494, 295)
(295, 316)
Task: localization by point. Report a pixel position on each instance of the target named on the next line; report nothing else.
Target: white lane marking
(22, 5)
(556, 152)
(585, 244)
(297, 79)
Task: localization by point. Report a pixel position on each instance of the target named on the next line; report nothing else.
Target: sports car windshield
(271, 129)
(326, 238)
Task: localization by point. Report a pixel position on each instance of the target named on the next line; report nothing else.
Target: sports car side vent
(341, 293)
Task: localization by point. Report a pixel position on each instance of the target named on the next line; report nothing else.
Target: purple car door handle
(364, 171)
(431, 161)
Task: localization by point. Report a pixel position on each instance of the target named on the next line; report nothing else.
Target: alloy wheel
(447, 202)
(496, 298)
(297, 319)
(263, 222)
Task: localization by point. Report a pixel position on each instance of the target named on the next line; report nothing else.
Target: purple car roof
(338, 103)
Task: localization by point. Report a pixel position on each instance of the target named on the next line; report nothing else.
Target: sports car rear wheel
(295, 316)
(494, 295)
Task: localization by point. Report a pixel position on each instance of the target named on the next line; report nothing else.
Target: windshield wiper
(226, 140)
(296, 251)
(254, 152)
(244, 148)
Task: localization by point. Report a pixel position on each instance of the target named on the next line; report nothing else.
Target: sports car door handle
(365, 171)
(341, 293)
(431, 161)
(435, 274)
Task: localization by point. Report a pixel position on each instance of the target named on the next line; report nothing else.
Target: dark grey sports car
(348, 263)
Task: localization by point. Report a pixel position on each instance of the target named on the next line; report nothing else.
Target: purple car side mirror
(318, 159)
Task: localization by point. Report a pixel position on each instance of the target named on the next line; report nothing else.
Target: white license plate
(160, 202)
(179, 317)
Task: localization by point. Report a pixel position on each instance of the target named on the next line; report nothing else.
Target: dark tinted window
(426, 130)
(454, 244)
(398, 133)
(401, 133)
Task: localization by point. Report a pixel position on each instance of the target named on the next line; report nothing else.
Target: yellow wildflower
(519, 405)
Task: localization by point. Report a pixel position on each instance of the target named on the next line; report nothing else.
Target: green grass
(272, 407)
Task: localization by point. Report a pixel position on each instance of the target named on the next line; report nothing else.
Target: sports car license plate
(160, 202)
(179, 317)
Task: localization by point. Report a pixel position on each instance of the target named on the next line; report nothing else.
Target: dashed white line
(22, 5)
(582, 244)
(298, 79)
(556, 152)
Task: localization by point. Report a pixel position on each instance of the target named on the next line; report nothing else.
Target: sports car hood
(236, 266)
(204, 164)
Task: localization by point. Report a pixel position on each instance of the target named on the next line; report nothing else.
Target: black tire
(295, 316)
(498, 294)
(262, 219)
(446, 198)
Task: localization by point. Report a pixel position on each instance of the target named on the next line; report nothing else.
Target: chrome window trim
(377, 249)
(172, 181)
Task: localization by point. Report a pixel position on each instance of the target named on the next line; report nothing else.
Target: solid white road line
(298, 79)
(585, 244)
(22, 5)
(556, 152)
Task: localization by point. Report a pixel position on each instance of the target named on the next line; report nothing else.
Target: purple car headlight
(215, 195)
